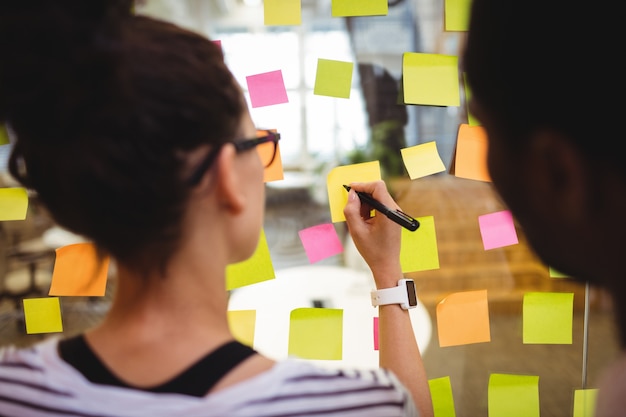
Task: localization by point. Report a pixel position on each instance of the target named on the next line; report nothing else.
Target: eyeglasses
(265, 142)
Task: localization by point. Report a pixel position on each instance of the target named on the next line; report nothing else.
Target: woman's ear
(228, 180)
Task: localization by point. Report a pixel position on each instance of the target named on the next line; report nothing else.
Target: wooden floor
(507, 274)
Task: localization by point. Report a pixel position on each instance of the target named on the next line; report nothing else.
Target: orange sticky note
(471, 153)
(77, 271)
(463, 318)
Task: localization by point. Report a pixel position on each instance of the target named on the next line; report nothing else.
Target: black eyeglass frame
(241, 145)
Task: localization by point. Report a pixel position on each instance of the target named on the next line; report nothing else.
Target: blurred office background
(320, 133)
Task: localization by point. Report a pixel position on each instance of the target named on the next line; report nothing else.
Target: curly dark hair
(105, 105)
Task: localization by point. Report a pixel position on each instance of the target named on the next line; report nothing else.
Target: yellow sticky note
(42, 315)
(242, 324)
(345, 174)
(463, 318)
(13, 203)
(513, 395)
(441, 394)
(456, 14)
(419, 250)
(585, 402)
(4, 136)
(547, 317)
(471, 119)
(255, 269)
(333, 78)
(471, 153)
(78, 272)
(343, 8)
(422, 160)
(282, 12)
(430, 79)
(553, 273)
(316, 333)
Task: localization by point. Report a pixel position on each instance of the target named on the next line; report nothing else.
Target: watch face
(410, 289)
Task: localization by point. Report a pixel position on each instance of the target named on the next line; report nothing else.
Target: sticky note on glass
(471, 153)
(553, 273)
(316, 333)
(418, 250)
(4, 136)
(257, 268)
(471, 120)
(585, 402)
(320, 242)
(441, 394)
(282, 12)
(343, 8)
(463, 318)
(497, 229)
(422, 160)
(513, 395)
(42, 315)
(333, 78)
(13, 203)
(78, 271)
(547, 318)
(456, 14)
(345, 174)
(242, 324)
(375, 325)
(267, 89)
(273, 172)
(430, 79)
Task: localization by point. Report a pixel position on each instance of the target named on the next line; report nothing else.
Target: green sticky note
(333, 78)
(585, 402)
(430, 79)
(42, 315)
(456, 14)
(471, 119)
(513, 395)
(257, 268)
(316, 333)
(343, 8)
(419, 250)
(4, 136)
(13, 203)
(547, 317)
(441, 394)
(553, 273)
(282, 12)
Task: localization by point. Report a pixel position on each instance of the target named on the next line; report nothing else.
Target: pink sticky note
(218, 43)
(267, 89)
(375, 333)
(497, 229)
(320, 242)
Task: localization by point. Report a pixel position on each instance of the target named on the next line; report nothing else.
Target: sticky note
(13, 203)
(267, 89)
(441, 394)
(242, 324)
(275, 171)
(333, 78)
(343, 8)
(456, 15)
(42, 315)
(282, 12)
(547, 317)
(4, 136)
(513, 395)
(345, 174)
(471, 119)
(471, 153)
(497, 229)
(78, 271)
(422, 160)
(585, 402)
(418, 250)
(316, 333)
(376, 337)
(430, 79)
(320, 242)
(553, 273)
(463, 318)
(255, 269)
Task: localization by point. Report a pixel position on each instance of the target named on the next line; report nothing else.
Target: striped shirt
(36, 382)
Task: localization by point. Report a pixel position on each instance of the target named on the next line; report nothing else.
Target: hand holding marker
(397, 216)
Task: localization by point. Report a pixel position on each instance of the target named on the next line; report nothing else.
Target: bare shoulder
(611, 401)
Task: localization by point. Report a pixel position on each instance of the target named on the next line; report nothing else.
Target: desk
(334, 287)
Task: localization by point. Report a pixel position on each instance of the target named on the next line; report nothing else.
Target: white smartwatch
(404, 294)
